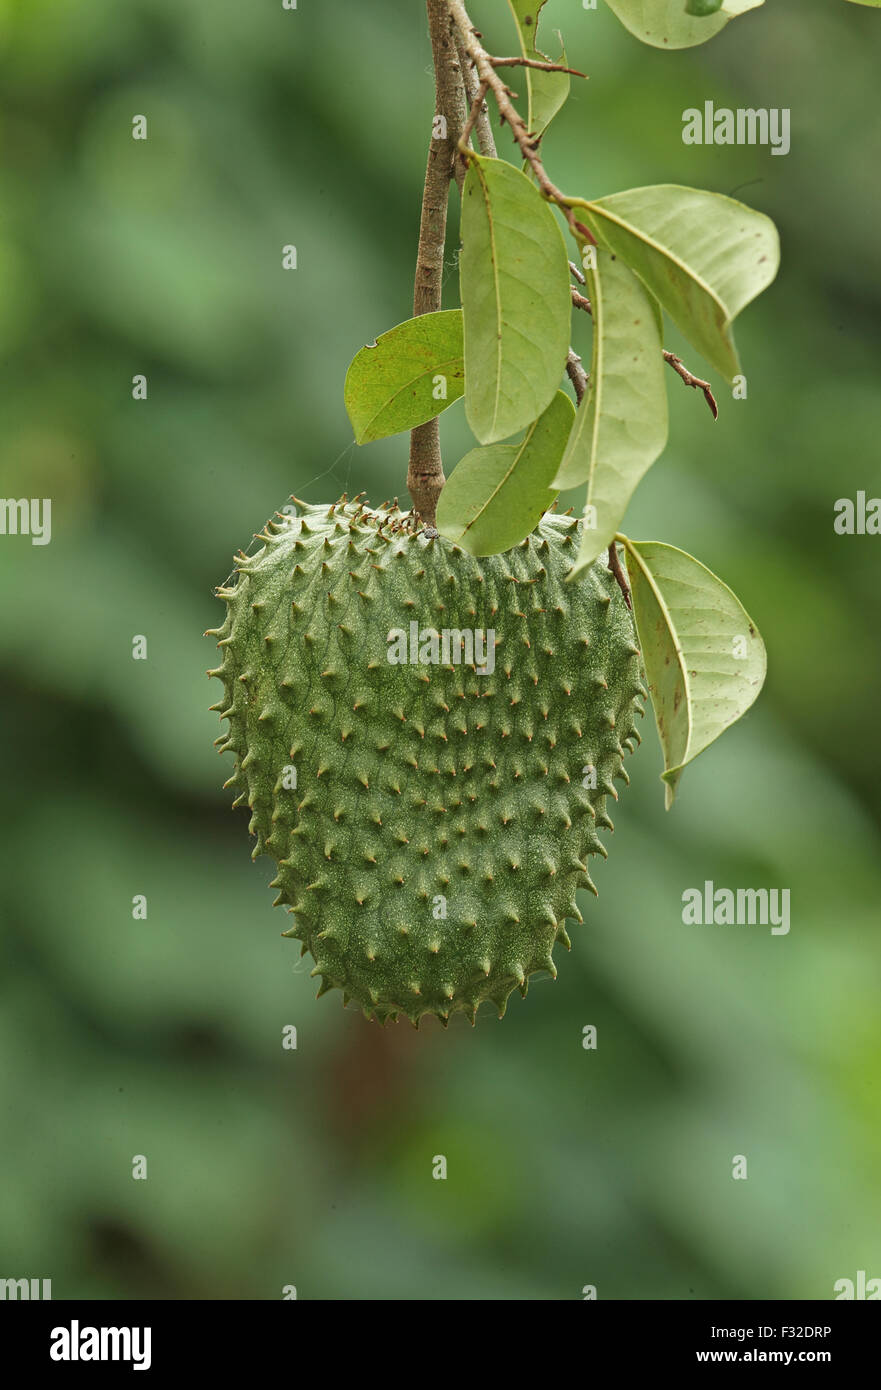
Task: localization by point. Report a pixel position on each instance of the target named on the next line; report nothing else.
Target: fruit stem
(425, 475)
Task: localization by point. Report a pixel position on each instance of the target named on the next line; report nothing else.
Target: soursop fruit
(426, 742)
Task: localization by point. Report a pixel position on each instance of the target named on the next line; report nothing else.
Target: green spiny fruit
(430, 804)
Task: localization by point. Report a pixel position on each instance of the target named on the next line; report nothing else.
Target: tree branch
(576, 374)
(478, 109)
(484, 65)
(469, 43)
(690, 380)
(478, 119)
(581, 302)
(425, 475)
(534, 63)
(476, 92)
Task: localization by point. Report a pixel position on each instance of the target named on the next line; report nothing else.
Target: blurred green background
(162, 1037)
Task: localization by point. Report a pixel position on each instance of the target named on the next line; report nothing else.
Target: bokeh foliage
(163, 1037)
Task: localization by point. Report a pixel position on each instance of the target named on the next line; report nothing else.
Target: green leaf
(875, 4)
(546, 91)
(703, 655)
(516, 300)
(390, 386)
(703, 256)
(498, 494)
(666, 24)
(621, 424)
